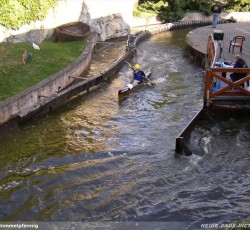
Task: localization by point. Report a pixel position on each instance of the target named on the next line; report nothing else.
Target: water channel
(95, 159)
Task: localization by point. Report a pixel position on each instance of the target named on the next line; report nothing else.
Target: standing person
(25, 56)
(216, 10)
(240, 63)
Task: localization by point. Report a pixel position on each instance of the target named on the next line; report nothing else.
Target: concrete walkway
(198, 38)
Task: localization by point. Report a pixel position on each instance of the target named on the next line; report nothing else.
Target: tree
(15, 13)
(237, 5)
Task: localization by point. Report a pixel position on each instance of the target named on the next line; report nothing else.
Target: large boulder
(111, 26)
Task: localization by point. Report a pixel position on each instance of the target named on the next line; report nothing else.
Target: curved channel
(98, 159)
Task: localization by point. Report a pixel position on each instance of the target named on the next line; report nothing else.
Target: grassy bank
(51, 58)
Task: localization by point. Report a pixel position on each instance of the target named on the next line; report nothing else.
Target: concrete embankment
(38, 94)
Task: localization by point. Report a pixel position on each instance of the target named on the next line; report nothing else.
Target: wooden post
(179, 145)
(78, 77)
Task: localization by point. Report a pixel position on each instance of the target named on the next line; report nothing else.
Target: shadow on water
(95, 159)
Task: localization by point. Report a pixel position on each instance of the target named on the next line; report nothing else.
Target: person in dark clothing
(240, 63)
(216, 10)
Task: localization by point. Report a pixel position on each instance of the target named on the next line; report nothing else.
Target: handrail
(226, 87)
(211, 52)
(218, 85)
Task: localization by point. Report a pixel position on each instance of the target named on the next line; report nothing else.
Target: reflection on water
(97, 159)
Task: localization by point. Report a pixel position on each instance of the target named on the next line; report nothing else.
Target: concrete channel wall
(81, 86)
(49, 93)
(48, 88)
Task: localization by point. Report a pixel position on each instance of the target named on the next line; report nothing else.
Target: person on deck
(240, 63)
(216, 10)
(139, 75)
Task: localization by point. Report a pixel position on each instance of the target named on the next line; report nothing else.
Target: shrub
(173, 10)
(15, 13)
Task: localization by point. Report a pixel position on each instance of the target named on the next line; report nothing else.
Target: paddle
(152, 83)
(129, 65)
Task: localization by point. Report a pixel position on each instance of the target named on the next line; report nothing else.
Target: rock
(111, 26)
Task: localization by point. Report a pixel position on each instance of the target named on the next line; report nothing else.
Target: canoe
(127, 90)
(73, 31)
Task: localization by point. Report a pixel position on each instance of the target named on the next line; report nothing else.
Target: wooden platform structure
(220, 93)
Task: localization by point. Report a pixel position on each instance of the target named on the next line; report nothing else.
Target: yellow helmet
(137, 66)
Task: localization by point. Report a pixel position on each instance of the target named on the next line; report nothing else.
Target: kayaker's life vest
(139, 75)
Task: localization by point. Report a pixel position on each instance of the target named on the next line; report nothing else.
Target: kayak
(129, 88)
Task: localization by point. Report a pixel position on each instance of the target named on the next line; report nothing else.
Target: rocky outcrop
(111, 26)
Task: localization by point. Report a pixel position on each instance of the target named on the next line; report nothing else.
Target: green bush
(165, 10)
(202, 6)
(238, 5)
(141, 11)
(173, 10)
(15, 13)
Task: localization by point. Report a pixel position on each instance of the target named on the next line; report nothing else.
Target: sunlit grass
(51, 58)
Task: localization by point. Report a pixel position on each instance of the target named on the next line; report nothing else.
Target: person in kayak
(139, 75)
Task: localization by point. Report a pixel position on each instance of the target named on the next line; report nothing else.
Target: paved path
(198, 39)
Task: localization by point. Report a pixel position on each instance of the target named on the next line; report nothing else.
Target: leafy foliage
(14, 13)
(173, 10)
(167, 11)
(197, 5)
(238, 5)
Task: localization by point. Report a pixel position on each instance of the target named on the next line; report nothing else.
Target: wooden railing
(217, 79)
(219, 90)
(211, 52)
(216, 85)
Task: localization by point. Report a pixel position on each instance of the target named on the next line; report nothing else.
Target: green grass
(50, 59)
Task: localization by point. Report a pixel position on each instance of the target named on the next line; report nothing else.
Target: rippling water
(97, 159)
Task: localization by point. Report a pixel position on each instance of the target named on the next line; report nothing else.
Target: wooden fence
(218, 84)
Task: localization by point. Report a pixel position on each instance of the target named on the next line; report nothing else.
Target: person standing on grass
(25, 56)
(216, 10)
